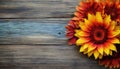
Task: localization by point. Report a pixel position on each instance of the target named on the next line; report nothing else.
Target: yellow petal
(114, 33)
(112, 25)
(96, 54)
(82, 49)
(107, 21)
(90, 53)
(110, 52)
(100, 50)
(99, 17)
(82, 26)
(81, 41)
(87, 22)
(80, 33)
(91, 17)
(85, 51)
(91, 48)
(112, 47)
(115, 41)
(107, 51)
(85, 45)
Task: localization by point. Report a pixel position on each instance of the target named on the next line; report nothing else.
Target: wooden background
(32, 36)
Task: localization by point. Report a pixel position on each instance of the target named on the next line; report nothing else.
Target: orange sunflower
(111, 61)
(97, 35)
(112, 8)
(89, 6)
(71, 26)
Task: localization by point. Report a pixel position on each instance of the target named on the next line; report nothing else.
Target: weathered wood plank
(33, 40)
(44, 57)
(37, 8)
(29, 31)
(18, 28)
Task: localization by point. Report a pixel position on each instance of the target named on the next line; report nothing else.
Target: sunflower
(89, 6)
(97, 35)
(71, 26)
(111, 61)
(112, 8)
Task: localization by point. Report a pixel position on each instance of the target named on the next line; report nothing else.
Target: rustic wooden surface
(32, 36)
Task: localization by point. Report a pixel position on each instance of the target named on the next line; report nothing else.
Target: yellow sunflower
(97, 35)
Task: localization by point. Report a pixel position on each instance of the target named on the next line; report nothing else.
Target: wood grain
(30, 9)
(44, 57)
(42, 31)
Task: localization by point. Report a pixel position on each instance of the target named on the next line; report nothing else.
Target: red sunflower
(71, 26)
(111, 61)
(89, 6)
(112, 8)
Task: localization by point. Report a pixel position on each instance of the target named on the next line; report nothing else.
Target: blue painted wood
(31, 28)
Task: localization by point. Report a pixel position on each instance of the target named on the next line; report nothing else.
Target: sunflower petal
(112, 47)
(110, 52)
(91, 48)
(82, 26)
(100, 50)
(106, 50)
(112, 25)
(114, 33)
(91, 17)
(87, 23)
(82, 49)
(81, 41)
(85, 51)
(80, 33)
(90, 53)
(115, 41)
(99, 17)
(107, 21)
(96, 54)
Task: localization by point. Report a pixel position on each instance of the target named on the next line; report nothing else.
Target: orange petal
(75, 18)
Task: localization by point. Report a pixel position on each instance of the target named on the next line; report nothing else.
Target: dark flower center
(98, 35)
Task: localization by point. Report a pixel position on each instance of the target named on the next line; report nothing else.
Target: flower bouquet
(95, 28)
